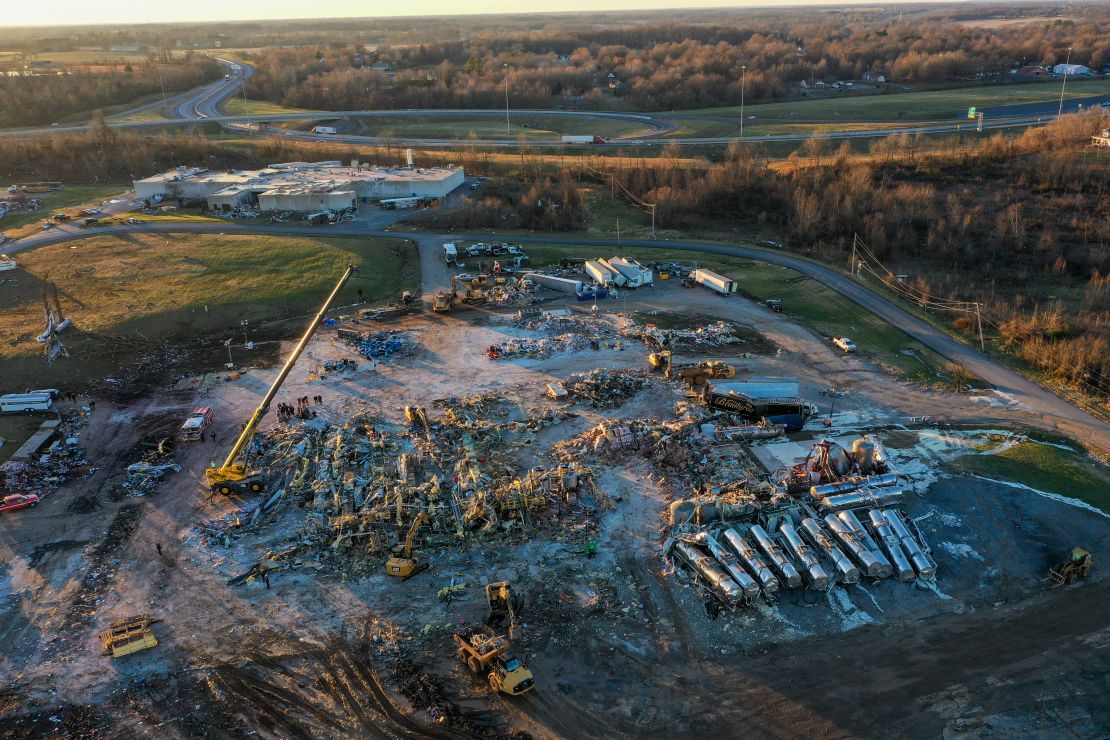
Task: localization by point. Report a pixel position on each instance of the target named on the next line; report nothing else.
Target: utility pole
(653, 221)
(618, 232)
(1063, 84)
(506, 68)
(165, 103)
(743, 82)
(979, 321)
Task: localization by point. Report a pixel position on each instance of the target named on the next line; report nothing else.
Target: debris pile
(711, 335)
(155, 461)
(606, 389)
(541, 348)
(44, 471)
(378, 343)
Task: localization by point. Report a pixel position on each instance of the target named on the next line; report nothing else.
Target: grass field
(926, 105)
(236, 106)
(148, 289)
(19, 223)
(820, 308)
(1045, 467)
(462, 127)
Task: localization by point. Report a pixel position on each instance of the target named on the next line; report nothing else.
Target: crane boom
(234, 471)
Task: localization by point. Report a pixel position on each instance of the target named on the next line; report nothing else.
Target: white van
(450, 253)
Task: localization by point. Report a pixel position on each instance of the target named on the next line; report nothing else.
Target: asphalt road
(1055, 412)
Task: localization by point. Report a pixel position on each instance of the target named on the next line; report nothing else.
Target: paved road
(1056, 412)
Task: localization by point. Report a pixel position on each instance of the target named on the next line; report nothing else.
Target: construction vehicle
(483, 653)
(503, 605)
(235, 474)
(660, 361)
(403, 565)
(441, 303)
(1077, 566)
(470, 287)
(128, 636)
(693, 373)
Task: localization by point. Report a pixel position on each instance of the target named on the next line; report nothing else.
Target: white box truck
(553, 282)
(635, 273)
(602, 275)
(450, 253)
(713, 281)
(323, 129)
(587, 139)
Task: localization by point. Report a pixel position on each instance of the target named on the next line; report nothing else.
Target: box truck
(323, 129)
(713, 281)
(602, 275)
(588, 139)
(450, 253)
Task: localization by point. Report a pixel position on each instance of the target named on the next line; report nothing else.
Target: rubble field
(895, 591)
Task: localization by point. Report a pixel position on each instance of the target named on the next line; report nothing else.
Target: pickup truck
(18, 501)
(845, 344)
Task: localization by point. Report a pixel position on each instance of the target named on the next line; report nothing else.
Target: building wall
(306, 202)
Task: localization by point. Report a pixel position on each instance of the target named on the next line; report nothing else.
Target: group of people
(287, 411)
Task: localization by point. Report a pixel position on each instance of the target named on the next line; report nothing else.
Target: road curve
(1055, 412)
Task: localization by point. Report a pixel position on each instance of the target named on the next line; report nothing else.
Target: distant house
(1031, 71)
(803, 85)
(1103, 139)
(881, 78)
(1072, 70)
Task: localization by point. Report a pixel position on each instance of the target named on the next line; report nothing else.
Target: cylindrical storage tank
(863, 450)
(785, 569)
(922, 563)
(845, 568)
(812, 569)
(861, 498)
(732, 566)
(853, 523)
(870, 565)
(751, 558)
(715, 578)
(889, 539)
(845, 486)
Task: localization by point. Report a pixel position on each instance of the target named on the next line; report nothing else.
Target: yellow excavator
(503, 606)
(403, 564)
(692, 374)
(235, 475)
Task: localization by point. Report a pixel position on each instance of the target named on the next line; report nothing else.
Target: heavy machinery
(235, 475)
(693, 373)
(128, 636)
(503, 605)
(403, 565)
(483, 653)
(1078, 565)
(441, 302)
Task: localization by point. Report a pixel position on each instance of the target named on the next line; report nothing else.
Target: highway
(1055, 412)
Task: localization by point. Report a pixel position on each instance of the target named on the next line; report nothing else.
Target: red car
(18, 501)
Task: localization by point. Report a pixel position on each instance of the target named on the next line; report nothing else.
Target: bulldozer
(403, 565)
(503, 605)
(1078, 565)
(484, 653)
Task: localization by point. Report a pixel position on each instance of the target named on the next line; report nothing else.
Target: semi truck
(565, 285)
(323, 129)
(587, 139)
(713, 281)
(635, 273)
(603, 275)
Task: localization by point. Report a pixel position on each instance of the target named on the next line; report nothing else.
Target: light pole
(165, 103)
(230, 362)
(1063, 84)
(743, 82)
(506, 68)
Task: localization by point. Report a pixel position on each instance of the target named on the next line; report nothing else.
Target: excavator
(235, 474)
(503, 605)
(485, 652)
(403, 565)
(693, 373)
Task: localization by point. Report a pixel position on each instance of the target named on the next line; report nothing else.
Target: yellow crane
(403, 564)
(235, 475)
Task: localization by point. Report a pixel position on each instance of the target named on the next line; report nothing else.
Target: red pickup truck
(18, 501)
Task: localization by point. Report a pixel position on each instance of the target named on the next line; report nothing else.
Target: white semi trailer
(602, 275)
(713, 281)
(633, 271)
(565, 285)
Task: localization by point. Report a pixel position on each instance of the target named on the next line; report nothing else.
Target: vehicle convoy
(197, 424)
(17, 501)
(1078, 565)
(404, 564)
(484, 653)
(235, 474)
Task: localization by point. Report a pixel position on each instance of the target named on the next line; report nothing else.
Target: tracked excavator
(403, 565)
(503, 606)
(235, 475)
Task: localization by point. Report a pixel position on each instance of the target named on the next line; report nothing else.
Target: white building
(299, 186)
(1072, 70)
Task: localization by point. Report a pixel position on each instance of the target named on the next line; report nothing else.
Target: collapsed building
(298, 186)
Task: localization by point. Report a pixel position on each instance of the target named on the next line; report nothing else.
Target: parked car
(845, 344)
(18, 501)
(514, 250)
(133, 220)
(60, 217)
(475, 250)
(46, 225)
(775, 305)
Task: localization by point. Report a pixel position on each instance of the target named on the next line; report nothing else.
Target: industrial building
(298, 186)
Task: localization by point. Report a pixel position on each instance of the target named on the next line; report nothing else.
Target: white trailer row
(566, 285)
(635, 274)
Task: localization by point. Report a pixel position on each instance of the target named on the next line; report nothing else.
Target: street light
(743, 81)
(230, 362)
(1063, 84)
(506, 68)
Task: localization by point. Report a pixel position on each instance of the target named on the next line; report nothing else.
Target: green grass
(461, 127)
(181, 288)
(1046, 468)
(924, 105)
(811, 303)
(236, 106)
(66, 201)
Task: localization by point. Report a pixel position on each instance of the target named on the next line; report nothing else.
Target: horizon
(113, 12)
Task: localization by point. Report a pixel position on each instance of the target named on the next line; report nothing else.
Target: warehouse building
(298, 186)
